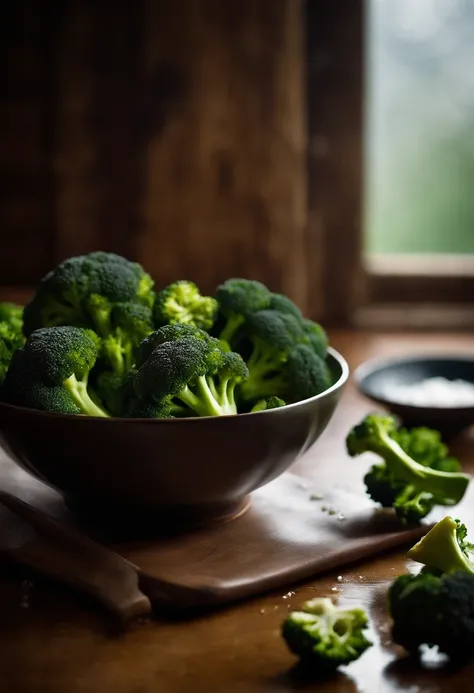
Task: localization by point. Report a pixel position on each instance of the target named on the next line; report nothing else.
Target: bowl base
(122, 523)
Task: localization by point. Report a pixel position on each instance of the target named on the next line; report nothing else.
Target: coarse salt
(432, 392)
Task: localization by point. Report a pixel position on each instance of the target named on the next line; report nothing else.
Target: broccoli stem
(206, 400)
(440, 549)
(80, 395)
(119, 355)
(231, 327)
(447, 487)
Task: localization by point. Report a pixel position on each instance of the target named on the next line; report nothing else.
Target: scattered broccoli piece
(12, 314)
(425, 446)
(269, 403)
(434, 610)
(51, 372)
(325, 636)
(81, 291)
(444, 548)
(401, 482)
(181, 302)
(237, 299)
(192, 373)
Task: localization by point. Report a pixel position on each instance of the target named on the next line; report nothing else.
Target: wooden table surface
(63, 644)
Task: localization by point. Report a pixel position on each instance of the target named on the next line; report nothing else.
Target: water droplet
(334, 589)
(262, 611)
(316, 496)
(324, 508)
(276, 606)
(339, 578)
(332, 511)
(341, 516)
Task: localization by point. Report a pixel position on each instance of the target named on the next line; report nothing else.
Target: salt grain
(432, 392)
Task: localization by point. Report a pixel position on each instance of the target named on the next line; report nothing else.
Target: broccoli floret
(269, 403)
(114, 391)
(171, 333)
(51, 372)
(237, 299)
(11, 339)
(12, 314)
(434, 610)
(402, 482)
(316, 337)
(325, 636)
(444, 548)
(181, 302)
(281, 362)
(283, 304)
(82, 291)
(427, 448)
(129, 324)
(192, 373)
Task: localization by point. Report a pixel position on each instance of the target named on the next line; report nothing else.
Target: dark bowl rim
(340, 382)
(376, 365)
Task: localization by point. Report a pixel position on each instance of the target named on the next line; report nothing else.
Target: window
(395, 76)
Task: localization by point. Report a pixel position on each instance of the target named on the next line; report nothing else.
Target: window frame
(415, 291)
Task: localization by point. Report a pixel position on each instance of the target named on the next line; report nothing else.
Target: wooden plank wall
(171, 131)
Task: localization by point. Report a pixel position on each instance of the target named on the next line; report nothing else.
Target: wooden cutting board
(294, 529)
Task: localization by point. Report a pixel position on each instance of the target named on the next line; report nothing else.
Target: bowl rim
(377, 365)
(340, 382)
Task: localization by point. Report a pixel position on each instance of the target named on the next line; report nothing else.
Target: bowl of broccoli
(122, 395)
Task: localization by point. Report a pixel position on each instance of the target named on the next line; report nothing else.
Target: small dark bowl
(373, 378)
(186, 468)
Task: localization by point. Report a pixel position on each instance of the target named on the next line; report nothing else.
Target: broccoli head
(435, 610)
(10, 341)
(281, 362)
(170, 333)
(192, 373)
(325, 636)
(237, 299)
(128, 325)
(51, 372)
(445, 548)
(181, 302)
(409, 486)
(81, 291)
(12, 314)
(269, 403)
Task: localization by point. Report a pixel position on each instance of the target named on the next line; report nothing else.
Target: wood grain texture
(335, 38)
(226, 172)
(170, 132)
(59, 643)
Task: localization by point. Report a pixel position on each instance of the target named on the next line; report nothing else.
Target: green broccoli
(170, 333)
(81, 291)
(128, 325)
(402, 482)
(100, 291)
(436, 606)
(237, 299)
(434, 609)
(444, 548)
(269, 403)
(10, 340)
(113, 390)
(325, 636)
(316, 337)
(281, 362)
(51, 372)
(181, 302)
(192, 373)
(12, 314)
